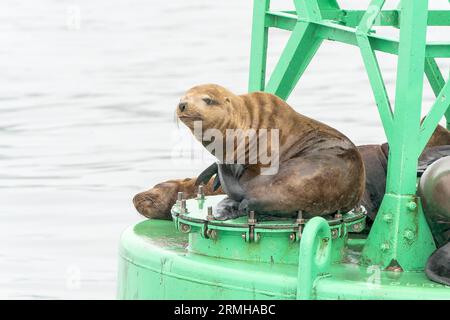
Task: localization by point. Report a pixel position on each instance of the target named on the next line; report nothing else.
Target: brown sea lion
(320, 171)
(434, 190)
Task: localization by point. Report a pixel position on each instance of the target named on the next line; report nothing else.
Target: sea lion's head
(210, 104)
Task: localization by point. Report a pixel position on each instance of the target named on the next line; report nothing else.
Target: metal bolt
(409, 235)
(300, 217)
(185, 228)
(179, 198)
(300, 221)
(212, 234)
(183, 206)
(334, 233)
(357, 227)
(412, 206)
(210, 216)
(201, 192)
(244, 236)
(338, 215)
(251, 217)
(292, 236)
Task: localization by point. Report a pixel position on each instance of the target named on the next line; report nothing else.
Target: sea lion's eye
(209, 101)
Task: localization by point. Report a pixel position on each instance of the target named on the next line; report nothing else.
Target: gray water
(87, 96)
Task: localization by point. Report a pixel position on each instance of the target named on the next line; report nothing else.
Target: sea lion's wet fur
(156, 202)
(438, 265)
(320, 170)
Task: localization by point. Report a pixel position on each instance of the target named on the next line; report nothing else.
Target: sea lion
(320, 171)
(434, 190)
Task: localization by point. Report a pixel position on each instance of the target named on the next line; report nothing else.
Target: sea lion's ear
(227, 100)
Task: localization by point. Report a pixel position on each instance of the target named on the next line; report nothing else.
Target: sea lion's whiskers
(176, 119)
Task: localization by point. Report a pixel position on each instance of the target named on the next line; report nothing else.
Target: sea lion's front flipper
(227, 209)
(438, 265)
(206, 175)
(229, 175)
(216, 183)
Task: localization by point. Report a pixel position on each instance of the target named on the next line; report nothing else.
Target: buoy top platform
(195, 257)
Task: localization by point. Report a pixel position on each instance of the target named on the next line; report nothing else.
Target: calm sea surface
(87, 97)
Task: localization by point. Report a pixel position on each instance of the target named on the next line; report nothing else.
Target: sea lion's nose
(182, 106)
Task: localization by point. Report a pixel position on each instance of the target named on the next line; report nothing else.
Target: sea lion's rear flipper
(438, 265)
(229, 175)
(206, 175)
(227, 209)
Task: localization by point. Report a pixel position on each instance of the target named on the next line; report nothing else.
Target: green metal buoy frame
(158, 260)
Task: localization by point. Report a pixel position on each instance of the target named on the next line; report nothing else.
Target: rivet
(292, 237)
(412, 206)
(408, 234)
(334, 233)
(357, 227)
(185, 228)
(385, 246)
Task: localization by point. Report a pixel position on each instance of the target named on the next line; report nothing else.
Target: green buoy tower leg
(400, 236)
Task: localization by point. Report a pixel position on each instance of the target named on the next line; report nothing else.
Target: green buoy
(195, 257)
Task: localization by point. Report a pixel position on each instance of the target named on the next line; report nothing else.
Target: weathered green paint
(155, 263)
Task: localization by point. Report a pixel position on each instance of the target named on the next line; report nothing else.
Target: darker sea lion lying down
(319, 170)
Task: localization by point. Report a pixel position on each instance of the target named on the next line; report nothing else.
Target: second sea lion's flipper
(216, 183)
(438, 265)
(229, 179)
(206, 175)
